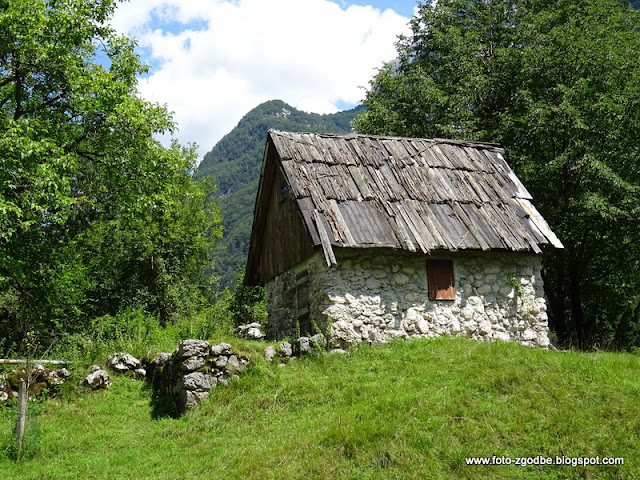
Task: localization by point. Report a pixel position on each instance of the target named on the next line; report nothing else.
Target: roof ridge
(436, 140)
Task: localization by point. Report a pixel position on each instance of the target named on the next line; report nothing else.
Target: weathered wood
(422, 237)
(350, 242)
(324, 240)
(6, 361)
(22, 415)
(539, 222)
(365, 190)
(484, 245)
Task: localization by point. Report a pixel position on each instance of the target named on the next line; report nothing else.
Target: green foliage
(247, 304)
(407, 410)
(556, 83)
(234, 163)
(95, 215)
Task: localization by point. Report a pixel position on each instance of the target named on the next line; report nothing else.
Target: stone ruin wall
(377, 295)
(194, 368)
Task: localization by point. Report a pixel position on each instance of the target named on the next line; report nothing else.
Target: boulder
(199, 381)
(222, 361)
(97, 380)
(343, 335)
(193, 348)
(251, 330)
(304, 345)
(122, 362)
(192, 363)
(286, 350)
(236, 365)
(221, 349)
(270, 353)
(160, 358)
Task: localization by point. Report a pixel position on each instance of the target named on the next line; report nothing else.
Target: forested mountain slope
(234, 163)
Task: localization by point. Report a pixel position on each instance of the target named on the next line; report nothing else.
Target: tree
(95, 215)
(556, 83)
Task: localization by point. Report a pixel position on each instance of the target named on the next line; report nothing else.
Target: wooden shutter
(440, 279)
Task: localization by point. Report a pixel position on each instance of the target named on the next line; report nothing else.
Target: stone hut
(369, 238)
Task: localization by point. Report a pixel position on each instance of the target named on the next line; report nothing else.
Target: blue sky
(214, 60)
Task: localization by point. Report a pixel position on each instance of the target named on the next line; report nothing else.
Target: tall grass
(136, 332)
(407, 410)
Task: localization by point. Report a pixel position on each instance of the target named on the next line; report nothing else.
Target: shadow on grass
(162, 404)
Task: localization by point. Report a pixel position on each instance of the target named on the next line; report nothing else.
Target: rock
(156, 364)
(193, 348)
(485, 327)
(63, 373)
(199, 381)
(318, 341)
(529, 335)
(160, 359)
(221, 349)
(286, 350)
(304, 345)
(121, 362)
(189, 399)
(251, 330)
(4, 396)
(506, 291)
(484, 290)
(400, 279)
(422, 326)
(93, 368)
(236, 365)
(504, 336)
(222, 361)
(270, 353)
(97, 380)
(192, 363)
(140, 372)
(55, 378)
(343, 335)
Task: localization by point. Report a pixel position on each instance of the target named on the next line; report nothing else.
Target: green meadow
(415, 409)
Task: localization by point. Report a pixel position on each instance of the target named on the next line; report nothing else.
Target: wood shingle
(421, 195)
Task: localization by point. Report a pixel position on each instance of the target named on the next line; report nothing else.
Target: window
(441, 283)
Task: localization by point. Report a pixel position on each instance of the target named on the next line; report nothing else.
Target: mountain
(235, 161)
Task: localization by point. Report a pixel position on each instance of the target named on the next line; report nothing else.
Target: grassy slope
(408, 410)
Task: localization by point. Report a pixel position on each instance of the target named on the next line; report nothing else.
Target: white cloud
(310, 53)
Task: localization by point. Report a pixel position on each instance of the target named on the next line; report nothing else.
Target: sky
(214, 60)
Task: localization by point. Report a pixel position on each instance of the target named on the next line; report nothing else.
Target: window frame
(441, 280)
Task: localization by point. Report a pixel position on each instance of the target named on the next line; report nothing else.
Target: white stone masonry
(374, 295)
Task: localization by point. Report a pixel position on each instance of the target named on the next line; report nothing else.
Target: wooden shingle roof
(407, 193)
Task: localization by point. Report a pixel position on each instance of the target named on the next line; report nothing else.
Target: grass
(407, 410)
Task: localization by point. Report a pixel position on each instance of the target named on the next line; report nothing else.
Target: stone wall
(376, 295)
(194, 368)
